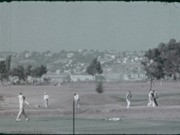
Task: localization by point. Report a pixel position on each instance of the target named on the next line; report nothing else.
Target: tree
(28, 70)
(2, 67)
(94, 67)
(2, 70)
(99, 87)
(22, 73)
(153, 65)
(39, 71)
(5, 68)
(162, 61)
(8, 63)
(171, 57)
(18, 71)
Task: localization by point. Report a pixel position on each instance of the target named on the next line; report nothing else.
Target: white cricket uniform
(76, 99)
(128, 98)
(151, 100)
(22, 105)
(20, 97)
(46, 98)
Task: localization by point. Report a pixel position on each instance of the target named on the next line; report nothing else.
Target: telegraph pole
(73, 117)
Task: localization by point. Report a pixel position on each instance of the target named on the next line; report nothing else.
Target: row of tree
(162, 61)
(158, 62)
(23, 73)
(20, 71)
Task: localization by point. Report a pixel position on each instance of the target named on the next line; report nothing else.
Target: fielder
(76, 100)
(128, 98)
(155, 96)
(20, 96)
(22, 105)
(46, 98)
(150, 96)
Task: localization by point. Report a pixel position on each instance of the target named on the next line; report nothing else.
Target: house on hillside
(57, 78)
(100, 77)
(35, 80)
(14, 80)
(134, 76)
(113, 76)
(125, 77)
(30, 79)
(79, 78)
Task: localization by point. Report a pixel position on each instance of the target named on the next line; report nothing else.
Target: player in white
(22, 105)
(46, 99)
(76, 100)
(20, 97)
(128, 98)
(155, 96)
(150, 96)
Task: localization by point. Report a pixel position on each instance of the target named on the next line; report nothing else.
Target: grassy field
(58, 125)
(94, 109)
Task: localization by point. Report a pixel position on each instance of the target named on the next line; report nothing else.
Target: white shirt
(76, 97)
(46, 97)
(22, 104)
(150, 94)
(20, 97)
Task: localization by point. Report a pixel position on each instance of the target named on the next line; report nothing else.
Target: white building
(57, 78)
(76, 78)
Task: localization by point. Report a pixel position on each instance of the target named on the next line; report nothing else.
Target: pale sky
(56, 26)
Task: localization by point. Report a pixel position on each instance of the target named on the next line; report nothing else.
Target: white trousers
(128, 103)
(151, 102)
(21, 112)
(77, 105)
(46, 102)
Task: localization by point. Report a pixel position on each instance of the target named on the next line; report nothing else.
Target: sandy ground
(111, 103)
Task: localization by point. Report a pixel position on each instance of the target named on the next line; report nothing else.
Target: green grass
(169, 94)
(57, 125)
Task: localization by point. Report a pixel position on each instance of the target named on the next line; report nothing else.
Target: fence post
(73, 117)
